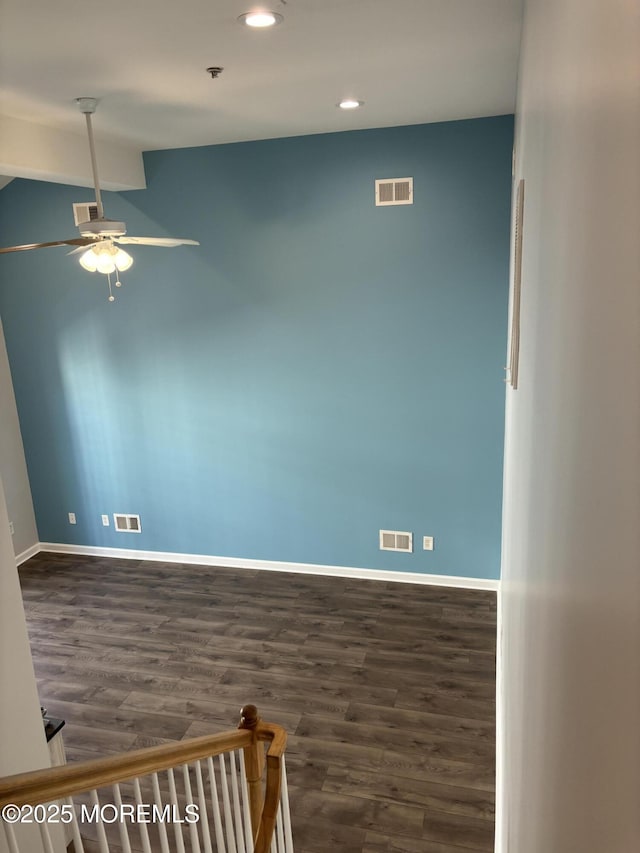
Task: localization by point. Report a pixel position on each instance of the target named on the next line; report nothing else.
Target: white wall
(22, 741)
(63, 157)
(569, 747)
(13, 468)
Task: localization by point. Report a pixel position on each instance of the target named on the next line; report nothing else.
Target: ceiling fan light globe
(89, 261)
(105, 263)
(122, 260)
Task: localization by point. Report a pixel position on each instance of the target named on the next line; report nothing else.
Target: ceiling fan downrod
(88, 106)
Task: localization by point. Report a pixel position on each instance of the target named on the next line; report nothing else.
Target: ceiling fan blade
(157, 241)
(73, 241)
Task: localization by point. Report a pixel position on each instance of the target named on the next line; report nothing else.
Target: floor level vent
(126, 523)
(396, 540)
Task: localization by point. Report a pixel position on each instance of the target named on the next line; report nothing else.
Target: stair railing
(200, 795)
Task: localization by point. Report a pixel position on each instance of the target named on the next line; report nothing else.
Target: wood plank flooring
(386, 690)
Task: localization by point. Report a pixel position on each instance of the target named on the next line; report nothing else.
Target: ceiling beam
(29, 150)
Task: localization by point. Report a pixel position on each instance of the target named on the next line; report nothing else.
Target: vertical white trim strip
(514, 353)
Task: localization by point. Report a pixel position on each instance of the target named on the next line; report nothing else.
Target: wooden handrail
(53, 783)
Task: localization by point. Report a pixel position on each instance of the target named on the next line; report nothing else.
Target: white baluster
(215, 806)
(246, 804)
(286, 812)
(75, 829)
(228, 819)
(144, 832)
(202, 808)
(122, 824)
(10, 835)
(103, 844)
(174, 804)
(279, 830)
(193, 827)
(46, 838)
(162, 830)
(236, 802)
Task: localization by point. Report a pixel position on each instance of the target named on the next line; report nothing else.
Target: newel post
(254, 765)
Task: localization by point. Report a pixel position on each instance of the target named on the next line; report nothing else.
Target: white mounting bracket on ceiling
(87, 105)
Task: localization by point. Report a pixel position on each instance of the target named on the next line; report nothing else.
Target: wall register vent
(394, 191)
(396, 540)
(84, 211)
(126, 523)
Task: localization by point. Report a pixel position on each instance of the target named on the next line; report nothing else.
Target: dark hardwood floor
(386, 690)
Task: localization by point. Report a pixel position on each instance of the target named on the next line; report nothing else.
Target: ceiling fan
(100, 238)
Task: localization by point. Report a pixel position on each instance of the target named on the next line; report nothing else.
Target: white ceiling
(411, 61)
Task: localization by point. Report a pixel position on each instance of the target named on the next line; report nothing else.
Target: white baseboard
(271, 566)
(28, 553)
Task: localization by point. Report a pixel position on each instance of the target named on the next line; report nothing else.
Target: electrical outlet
(11, 529)
(105, 520)
(72, 518)
(427, 543)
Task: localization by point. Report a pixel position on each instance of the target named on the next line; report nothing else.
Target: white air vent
(84, 211)
(394, 191)
(126, 523)
(396, 540)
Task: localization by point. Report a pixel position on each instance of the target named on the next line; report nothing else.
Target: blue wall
(316, 370)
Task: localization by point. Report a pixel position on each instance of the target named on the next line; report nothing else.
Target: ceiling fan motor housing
(102, 228)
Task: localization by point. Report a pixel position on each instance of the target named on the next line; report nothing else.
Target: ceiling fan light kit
(99, 236)
(105, 259)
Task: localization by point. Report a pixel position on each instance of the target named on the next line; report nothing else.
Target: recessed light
(350, 104)
(261, 18)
